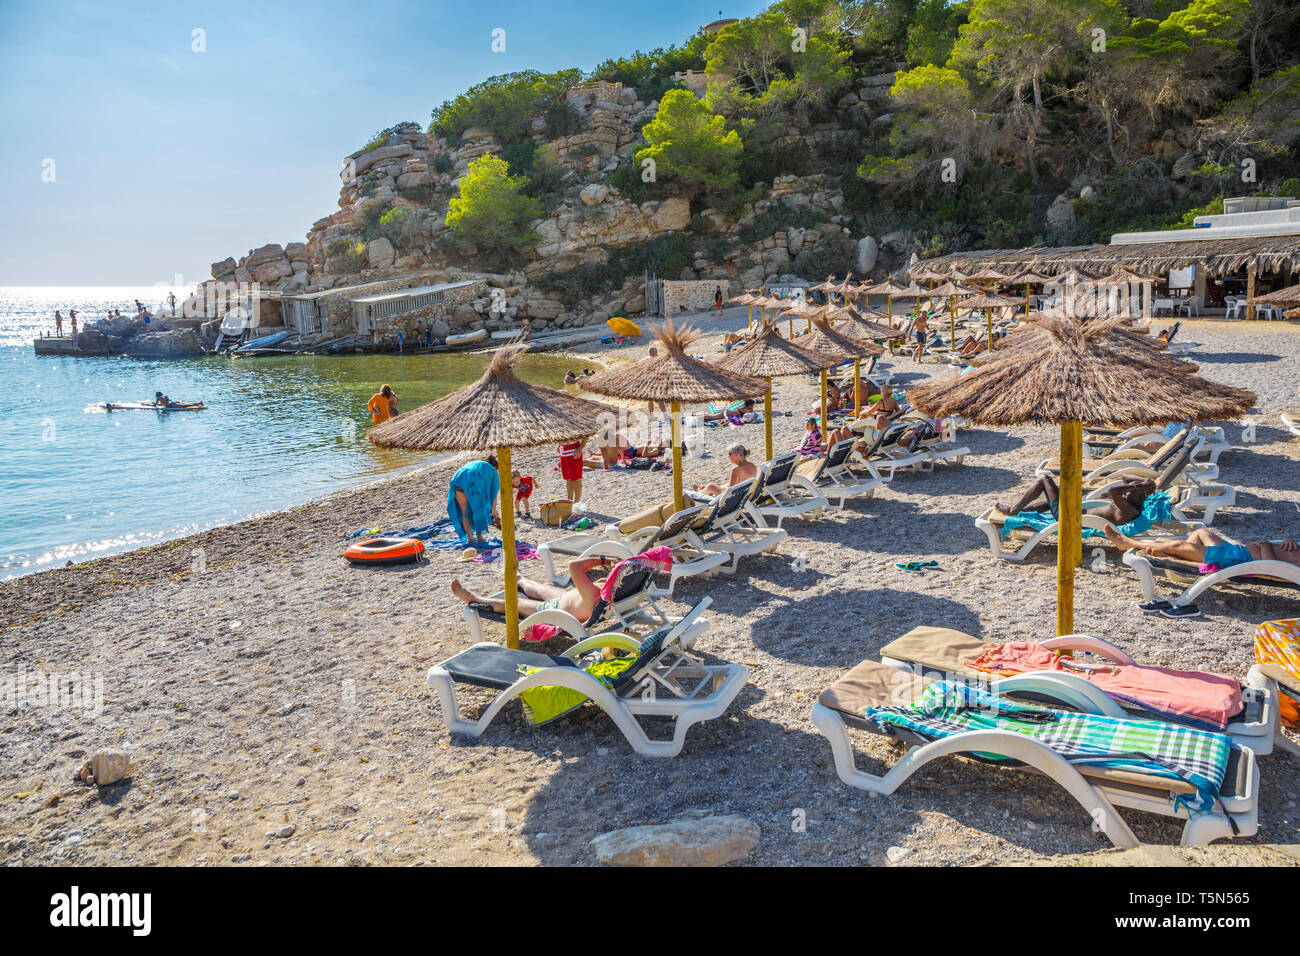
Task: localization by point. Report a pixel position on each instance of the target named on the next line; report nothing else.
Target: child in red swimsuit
(523, 485)
(571, 469)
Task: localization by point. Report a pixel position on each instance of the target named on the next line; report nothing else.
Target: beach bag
(553, 512)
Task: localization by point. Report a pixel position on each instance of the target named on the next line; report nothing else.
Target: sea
(77, 483)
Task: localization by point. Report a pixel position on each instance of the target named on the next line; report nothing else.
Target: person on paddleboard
(161, 400)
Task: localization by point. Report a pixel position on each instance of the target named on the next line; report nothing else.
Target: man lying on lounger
(579, 600)
(1206, 547)
(1126, 499)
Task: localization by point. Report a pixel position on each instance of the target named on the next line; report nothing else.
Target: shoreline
(282, 688)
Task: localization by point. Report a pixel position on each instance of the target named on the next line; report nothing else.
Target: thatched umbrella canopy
(770, 356)
(951, 291)
(1143, 348)
(828, 286)
(823, 338)
(1072, 277)
(988, 303)
(987, 274)
(1288, 296)
(1028, 278)
(888, 288)
(1078, 374)
(498, 412)
(926, 274)
(676, 378)
(847, 288)
(750, 298)
(861, 324)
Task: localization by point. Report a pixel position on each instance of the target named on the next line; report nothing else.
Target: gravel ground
(274, 698)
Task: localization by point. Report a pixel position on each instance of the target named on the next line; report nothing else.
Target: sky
(144, 141)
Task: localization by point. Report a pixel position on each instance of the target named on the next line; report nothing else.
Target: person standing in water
(381, 405)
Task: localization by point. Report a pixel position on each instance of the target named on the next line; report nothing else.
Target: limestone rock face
(183, 343)
(380, 253)
(692, 841)
(225, 269)
(360, 163)
(868, 253)
(670, 215)
(594, 194)
(1061, 212)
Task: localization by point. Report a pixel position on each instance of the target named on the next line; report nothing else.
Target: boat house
(375, 309)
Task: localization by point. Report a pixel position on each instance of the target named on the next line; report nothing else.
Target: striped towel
(946, 708)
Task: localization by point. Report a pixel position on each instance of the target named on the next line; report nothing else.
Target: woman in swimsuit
(1126, 499)
(742, 469)
(579, 600)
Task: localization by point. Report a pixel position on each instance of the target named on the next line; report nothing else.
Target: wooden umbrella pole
(767, 419)
(952, 323)
(751, 318)
(823, 406)
(676, 411)
(889, 304)
(1069, 534)
(857, 388)
(508, 549)
(989, 314)
(791, 317)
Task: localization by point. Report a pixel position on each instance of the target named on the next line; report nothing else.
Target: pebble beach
(273, 698)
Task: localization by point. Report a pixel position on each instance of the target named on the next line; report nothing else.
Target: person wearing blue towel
(472, 499)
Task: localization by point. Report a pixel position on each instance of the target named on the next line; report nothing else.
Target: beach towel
(522, 550)
(481, 485)
(1155, 510)
(946, 708)
(1277, 651)
(1199, 698)
(545, 703)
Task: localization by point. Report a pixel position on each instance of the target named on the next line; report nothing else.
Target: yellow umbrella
(622, 326)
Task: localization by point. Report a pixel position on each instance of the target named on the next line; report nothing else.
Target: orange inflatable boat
(379, 552)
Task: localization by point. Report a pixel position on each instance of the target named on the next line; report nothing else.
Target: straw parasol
(845, 288)
(858, 324)
(987, 274)
(828, 286)
(1288, 296)
(770, 356)
(951, 290)
(676, 378)
(749, 297)
(888, 288)
(1079, 373)
(500, 411)
(823, 338)
(1027, 278)
(988, 302)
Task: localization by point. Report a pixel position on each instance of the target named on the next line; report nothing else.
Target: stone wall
(691, 296)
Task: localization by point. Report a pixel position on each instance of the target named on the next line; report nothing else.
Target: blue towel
(1154, 511)
(479, 481)
(431, 535)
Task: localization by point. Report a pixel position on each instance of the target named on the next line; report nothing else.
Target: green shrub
(665, 256)
(443, 163)
(763, 164)
(775, 218)
(693, 151)
(492, 212)
(651, 74)
(421, 194)
(561, 119)
(520, 156)
(503, 104)
(337, 247)
(545, 183)
(398, 226)
(700, 225)
(351, 259)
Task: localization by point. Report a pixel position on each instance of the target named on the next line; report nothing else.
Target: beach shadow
(968, 478)
(1233, 358)
(902, 529)
(842, 627)
(114, 793)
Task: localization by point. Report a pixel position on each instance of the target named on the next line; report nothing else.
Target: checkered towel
(946, 708)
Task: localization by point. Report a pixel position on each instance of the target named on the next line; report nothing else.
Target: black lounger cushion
(491, 665)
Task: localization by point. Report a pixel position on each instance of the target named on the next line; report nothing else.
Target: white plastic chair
(1234, 304)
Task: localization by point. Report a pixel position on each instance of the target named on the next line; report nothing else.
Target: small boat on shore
(150, 407)
(467, 338)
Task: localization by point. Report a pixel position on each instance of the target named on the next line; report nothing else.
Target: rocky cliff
(796, 228)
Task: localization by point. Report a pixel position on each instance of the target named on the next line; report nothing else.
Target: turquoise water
(78, 483)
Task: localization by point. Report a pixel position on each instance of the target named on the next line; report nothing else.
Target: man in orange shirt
(380, 409)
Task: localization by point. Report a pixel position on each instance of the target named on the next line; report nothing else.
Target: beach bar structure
(1251, 248)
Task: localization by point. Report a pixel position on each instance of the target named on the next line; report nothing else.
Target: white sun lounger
(783, 493)
(834, 480)
(940, 652)
(1291, 420)
(1099, 790)
(667, 681)
(1277, 574)
(732, 528)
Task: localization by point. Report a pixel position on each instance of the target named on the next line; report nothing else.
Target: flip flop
(915, 565)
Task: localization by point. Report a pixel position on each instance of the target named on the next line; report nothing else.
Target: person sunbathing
(883, 410)
(1208, 547)
(746, 409)
(742, 469)
(812, 440)
(837, 435)
(1126, 499)
(579, 600)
